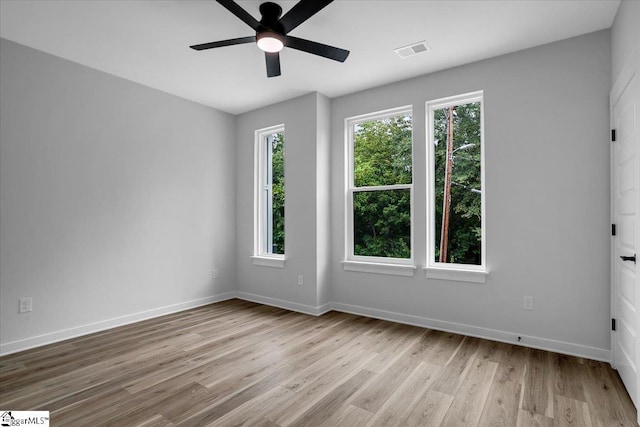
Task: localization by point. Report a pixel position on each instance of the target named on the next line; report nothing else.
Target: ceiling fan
(272, 32)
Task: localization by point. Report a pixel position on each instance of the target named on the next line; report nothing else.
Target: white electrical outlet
(216, 273)
(527, 303)
(300, 280)
(26, 305)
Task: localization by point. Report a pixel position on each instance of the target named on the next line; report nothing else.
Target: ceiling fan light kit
(270, 41)
(272, 32)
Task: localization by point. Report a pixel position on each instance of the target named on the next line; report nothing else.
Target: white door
(625, 198)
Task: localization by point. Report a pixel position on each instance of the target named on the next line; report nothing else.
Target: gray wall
(304, 141)
(547, 200)
(116, 200)
(323, 201)
(625, 35)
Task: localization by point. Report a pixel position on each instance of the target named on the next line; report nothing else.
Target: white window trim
(452, 271)
(259, 257)
(276, 261)
(379, 265)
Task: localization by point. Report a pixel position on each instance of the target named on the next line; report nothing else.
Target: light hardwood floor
(240, 363)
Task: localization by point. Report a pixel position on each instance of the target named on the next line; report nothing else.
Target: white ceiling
(147, 41)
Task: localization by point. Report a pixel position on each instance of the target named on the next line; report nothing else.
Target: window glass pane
(458, 221)
(382, 223)
(276, 233)
(382, 151)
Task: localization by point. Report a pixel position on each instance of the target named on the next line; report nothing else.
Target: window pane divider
(383, 187)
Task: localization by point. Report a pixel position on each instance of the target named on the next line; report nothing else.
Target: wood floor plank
(198, 402)
(97, 404)
(242, 363)
(406, 397)
(512, 364)
(501, 407)
(603, 394)
(263, 422)
(340, 359)
(531, 419)
(330, 404)
(156, 421)
(469, 402)
(430, 410)
(257, 352)
(421, 349)
(394, 347)
(64, 382)
(384, 385)
(568, 374)
(9, 367)
(444, 348)
(570, 412)
(456, 368)
(167, 398)
(219, 409)
(538, 390)
(491, 351)
(76, 398)
(351, 416)
(252, 411)
(231, 348)
(312, 393)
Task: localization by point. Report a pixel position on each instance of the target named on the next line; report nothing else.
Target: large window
(455, 227)
(269, 196)
(379, 188)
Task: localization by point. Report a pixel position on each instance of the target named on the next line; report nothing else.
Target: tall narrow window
(456, 230)
(270, 206)
(380, 187)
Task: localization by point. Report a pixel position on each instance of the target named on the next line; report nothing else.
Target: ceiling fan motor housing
(271, 13)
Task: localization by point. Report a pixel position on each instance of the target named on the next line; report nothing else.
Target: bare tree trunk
(446, 202)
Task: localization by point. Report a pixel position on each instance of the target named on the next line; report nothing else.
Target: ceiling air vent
(412, 49)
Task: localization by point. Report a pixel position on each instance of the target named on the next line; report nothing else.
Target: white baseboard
(57, 336)
(459, 328)
(475, 331)
(293, 306)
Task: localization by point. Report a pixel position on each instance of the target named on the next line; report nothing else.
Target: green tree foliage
(382, 156)
(382, 152)
(465, 229)
(382, 223)
(277, 187)
(382, 218)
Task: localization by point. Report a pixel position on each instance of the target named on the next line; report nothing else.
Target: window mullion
(383, 187)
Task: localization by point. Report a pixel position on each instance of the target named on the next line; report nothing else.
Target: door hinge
(613, 324)
(613, 135)
(613, 229)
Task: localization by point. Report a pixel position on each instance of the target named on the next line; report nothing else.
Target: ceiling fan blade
(302, 11)
(273, 63)
(245, 16)
(221, 43)
(315, 48)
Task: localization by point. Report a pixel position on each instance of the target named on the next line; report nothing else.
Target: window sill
(266, 261)
(379, 268)
(457, 274)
